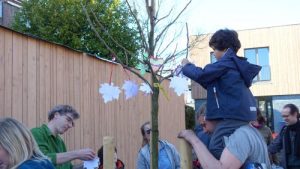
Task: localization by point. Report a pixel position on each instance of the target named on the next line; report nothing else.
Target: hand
(188, 135)
(85, 154)
(184, 62)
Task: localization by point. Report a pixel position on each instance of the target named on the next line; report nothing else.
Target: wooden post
(108, 152)
(185, 154)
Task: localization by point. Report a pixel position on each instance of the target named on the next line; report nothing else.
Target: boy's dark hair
(224, 39)
(293, 109)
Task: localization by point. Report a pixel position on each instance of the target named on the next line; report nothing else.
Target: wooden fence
(35, 75)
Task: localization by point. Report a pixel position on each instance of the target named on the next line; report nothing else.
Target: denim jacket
(36, 164)
(143, 160)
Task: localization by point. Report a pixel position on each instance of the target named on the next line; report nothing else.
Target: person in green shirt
(61, 118)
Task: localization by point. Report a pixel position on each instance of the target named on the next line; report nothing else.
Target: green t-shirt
(50, 145)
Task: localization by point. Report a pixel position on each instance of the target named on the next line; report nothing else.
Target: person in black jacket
(288, 139)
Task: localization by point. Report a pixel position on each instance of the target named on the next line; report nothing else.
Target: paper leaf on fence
(142, 68)
(131, 89)
(145, 88)
(109, 92)
(179, 84)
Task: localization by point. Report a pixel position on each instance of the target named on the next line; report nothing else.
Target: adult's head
(290, 114)
(224, 39)
(100, 155)
(146, 131)
(61, 118)
(16, 144)
(200, 116)
(208, 125)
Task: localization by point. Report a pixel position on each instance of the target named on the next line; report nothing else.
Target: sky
(206, 16)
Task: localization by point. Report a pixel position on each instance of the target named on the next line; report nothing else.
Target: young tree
(153, 29)
(64, 22)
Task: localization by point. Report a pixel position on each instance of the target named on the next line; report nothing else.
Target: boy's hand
(184, 62)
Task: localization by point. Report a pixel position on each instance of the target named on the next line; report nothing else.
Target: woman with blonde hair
(18, 149)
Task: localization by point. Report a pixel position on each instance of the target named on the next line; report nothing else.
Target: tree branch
(171, 23)
(144, 41)
(187, 40)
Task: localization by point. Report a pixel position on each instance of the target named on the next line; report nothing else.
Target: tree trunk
(154, 125)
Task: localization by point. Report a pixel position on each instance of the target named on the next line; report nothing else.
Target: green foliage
(189, 117)
(64, 22)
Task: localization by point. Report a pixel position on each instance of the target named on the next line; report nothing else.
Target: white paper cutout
(156, 63)
(145, 88)
(131, 89)
(109, 92)
(179, 84)
(92, 164)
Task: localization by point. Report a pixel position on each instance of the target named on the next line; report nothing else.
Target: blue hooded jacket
(227, 82)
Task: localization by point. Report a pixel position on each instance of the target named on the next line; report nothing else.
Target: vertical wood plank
(8, 73)
(25, 79)
(32, 82)
(2, 72)
(17, 78)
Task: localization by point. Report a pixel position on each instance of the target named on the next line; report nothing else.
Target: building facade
(277, 50)
(8, 8)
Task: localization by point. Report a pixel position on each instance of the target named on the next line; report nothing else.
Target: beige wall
(35, 75)
(284, 57)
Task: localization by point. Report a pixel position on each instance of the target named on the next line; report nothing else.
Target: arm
(82, 154)
(276, 144)
(203, 76)
(207, 160)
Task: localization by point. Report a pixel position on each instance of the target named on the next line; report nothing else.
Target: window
(0, 9)
(260, 56)
(212, 57)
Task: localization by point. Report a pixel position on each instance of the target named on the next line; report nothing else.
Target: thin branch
(171, 42)
(97, 34)
(109, 35)
(171, 23)
(164, 17)
(187, 40)
(106, 45)
(144, 41)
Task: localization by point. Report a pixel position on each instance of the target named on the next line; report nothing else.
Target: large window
(0, 9)
(260, 56)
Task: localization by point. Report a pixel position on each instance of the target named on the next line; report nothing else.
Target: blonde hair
(18, 142)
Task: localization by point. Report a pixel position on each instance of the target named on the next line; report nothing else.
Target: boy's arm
(205, 75)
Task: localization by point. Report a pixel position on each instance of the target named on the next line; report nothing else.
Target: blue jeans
(224, 128)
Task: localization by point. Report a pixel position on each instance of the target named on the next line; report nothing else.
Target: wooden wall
(284, 57)
(35, 75)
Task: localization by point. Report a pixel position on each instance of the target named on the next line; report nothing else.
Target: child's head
(224, 39)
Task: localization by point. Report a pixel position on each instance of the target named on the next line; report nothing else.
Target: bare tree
(153, 29)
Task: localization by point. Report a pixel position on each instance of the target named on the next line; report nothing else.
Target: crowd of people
(230, 133)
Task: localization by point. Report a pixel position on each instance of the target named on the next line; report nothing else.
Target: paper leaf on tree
(142, 68)
(179, 84)
(146, 88)
(109, 92)
(131, 89)
(156, 63)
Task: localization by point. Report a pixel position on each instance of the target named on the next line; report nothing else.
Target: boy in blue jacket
(230, 102)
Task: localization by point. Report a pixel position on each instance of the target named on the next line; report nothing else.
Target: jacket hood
(247, 70)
